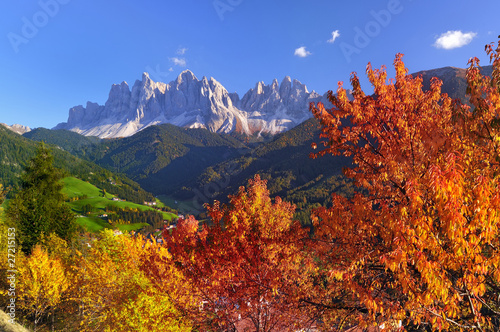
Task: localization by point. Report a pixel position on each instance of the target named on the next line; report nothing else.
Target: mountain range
(206, 103)
(192, 103)
(197, 165)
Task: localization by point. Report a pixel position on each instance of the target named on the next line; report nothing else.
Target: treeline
(127, 190)
(118, 215)
(14, 154)
(79, 145)
(316, 193)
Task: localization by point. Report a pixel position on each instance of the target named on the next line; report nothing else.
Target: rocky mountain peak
(185, 77)
(297, 85)
(189, 102)
(17, 128)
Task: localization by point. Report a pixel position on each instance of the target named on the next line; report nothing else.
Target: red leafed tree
(246, 265)
(418, 246)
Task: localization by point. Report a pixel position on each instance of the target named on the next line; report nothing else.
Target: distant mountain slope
(157, 157)
(192, 103)
(284, 162)
(454, 81)
(17, 128)
(17, 150)
(65, 139)
(163, 156)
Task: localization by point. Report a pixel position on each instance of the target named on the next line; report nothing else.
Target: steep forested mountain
(284, 162)
(454, 81)
(16, 150)
(161, 156)
(72, 142)
(158, 157)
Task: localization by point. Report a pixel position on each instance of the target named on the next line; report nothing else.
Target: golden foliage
(42, 283)
(117, 295)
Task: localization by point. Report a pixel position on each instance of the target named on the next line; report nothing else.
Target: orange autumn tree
(419, 244)
(246, 265)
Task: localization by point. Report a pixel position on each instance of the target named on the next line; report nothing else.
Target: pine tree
(39, 208)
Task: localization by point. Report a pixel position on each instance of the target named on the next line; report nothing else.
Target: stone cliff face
(193, 103)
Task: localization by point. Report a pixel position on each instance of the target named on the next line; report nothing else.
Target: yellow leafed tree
(42, 284)
(116, 293)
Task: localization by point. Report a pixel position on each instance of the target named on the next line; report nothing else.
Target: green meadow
(75, 188)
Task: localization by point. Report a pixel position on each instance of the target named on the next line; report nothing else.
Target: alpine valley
(194, 142)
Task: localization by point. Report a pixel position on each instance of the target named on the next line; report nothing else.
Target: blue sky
(56, 54)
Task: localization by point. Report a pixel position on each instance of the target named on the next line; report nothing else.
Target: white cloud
(181, 51)
(454, 39)
(179, 61)
(335, 35)
(170, 69)
(302, 52)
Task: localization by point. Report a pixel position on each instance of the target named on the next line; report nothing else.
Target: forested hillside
(17, 150)
(79, 145)
(196, 164)
(285, 163)
(159, 157)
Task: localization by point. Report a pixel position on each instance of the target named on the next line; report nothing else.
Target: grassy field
(93, 224)
(77, 188)
(131, 227)
(74, 187)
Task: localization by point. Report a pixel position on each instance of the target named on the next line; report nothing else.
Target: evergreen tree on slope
(38, 208)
